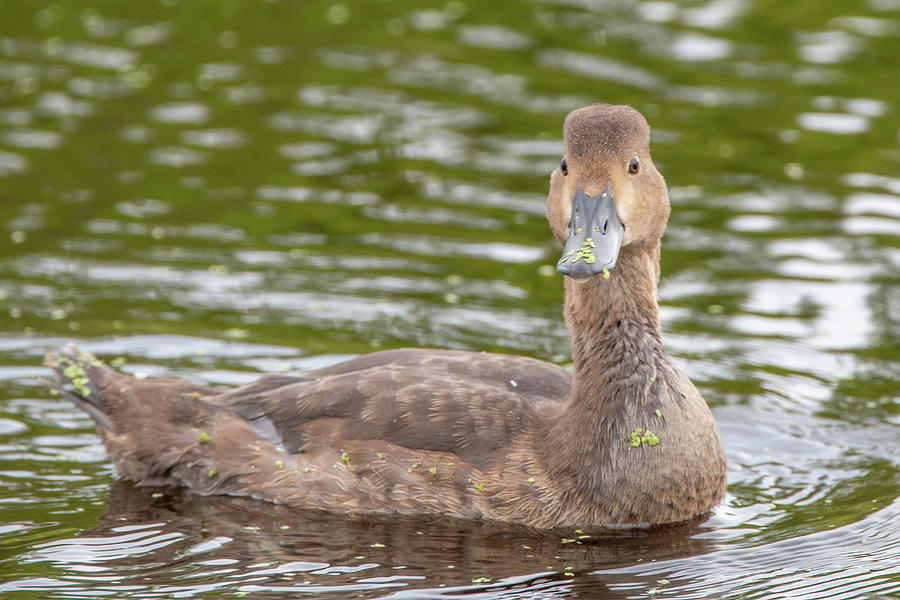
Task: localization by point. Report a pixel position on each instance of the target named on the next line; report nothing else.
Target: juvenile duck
(625, 438)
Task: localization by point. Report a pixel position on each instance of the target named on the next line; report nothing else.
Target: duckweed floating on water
(212, 473)
(605, 273)
(479, 487)
(433, 470)
(279, 464)
(531, 480)
(658, 413)
(204, 438)
(156, 495)
(345, 458)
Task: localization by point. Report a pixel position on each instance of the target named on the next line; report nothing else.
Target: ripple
(599, 67)
(885, 205)
(434, 246)
(180, 112)
(827, 47)
(149, 35)
(693, 47)
(176, 156)
(93, 55)
(214, 138)
(33, 138)
(11, 163)
(493, 36)
(11, 427)
(838, 123)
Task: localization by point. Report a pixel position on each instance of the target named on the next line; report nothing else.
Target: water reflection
(237, 546)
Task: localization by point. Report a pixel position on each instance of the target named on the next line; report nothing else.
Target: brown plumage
(626, 438)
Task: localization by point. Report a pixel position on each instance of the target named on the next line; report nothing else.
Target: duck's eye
(634, 165)
(564, 167)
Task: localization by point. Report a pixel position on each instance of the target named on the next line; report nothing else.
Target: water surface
(212, 190)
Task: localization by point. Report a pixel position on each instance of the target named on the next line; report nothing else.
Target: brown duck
(625, 438)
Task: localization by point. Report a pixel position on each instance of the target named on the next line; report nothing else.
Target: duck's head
(606, 194)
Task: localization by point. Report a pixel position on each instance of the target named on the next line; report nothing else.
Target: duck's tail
(80, 376)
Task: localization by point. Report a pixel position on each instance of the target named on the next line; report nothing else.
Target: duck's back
(395, 430)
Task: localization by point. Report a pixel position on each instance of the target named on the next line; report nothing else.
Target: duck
(621, 438)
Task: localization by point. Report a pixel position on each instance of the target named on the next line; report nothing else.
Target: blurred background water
(212, 190)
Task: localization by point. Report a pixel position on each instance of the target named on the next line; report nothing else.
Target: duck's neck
(614, 327)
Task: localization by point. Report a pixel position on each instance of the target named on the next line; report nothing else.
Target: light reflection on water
(210, 200)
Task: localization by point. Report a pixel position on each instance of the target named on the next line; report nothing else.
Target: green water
(211, 190)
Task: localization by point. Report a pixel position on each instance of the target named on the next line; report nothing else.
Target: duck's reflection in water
(166, 540)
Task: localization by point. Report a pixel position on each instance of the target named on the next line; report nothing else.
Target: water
(211, 190)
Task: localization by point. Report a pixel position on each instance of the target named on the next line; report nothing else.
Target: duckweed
(379, 456)
(639, 436)
(279, 464)
(636, 438)
(212, 473)
(73, 371)
(479, 487)
(156, 495)
(531, 480)
(433, 470)
(345, 458)
(605, 273)
(658, 413)
(204, 438)
(585, 252)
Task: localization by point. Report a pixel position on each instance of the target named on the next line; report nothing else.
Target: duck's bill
(595, 236)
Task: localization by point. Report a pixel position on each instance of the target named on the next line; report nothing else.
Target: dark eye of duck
(564, 167)
(634, 165)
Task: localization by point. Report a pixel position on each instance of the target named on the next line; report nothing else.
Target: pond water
(211, 190)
